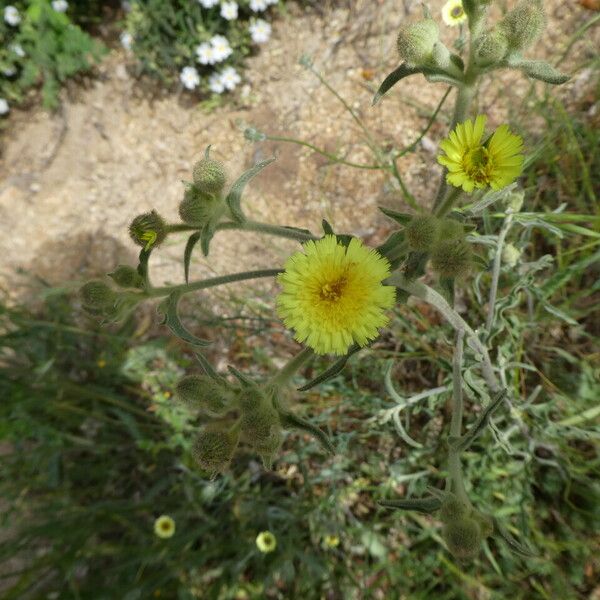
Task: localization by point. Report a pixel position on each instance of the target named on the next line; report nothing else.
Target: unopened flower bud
(463, 538)
(148, 230)
(451, 258)
(453, 509)
(451, 229)
(209, 176)
(198, 207)
(514, 201)
(416, 41)
(422, 232)
(491, 47)
(201, 392)
(261, 429)
(127, 277)
(524, 24)
(213, 449)
(510, 255)
(96, 294)
(485, 522)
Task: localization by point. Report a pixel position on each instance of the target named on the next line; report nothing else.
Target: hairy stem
(289, 369)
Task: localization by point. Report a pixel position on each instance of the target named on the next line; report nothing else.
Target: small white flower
(230, 78)
(12, 16)
(60, 5)
(126, 40)
(189, 78)
(208, 3)
(9, 71)
(18, 50)
(229, 11)
(221, 47)
(215, 84)
(4, 108)
(260, 31)
(258, 5)
(272, 2)
(205, 54)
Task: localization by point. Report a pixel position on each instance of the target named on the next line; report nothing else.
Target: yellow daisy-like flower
(266, 542)
(333, 296)
(475, 164)
(331, 541)
(453, 13)
(164, 527)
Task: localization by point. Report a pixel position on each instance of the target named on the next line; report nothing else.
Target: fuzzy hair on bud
(198, 207)
(514, 201)
(451, 258)
(416, 41)
(261, 429)
(96, 294)
(491, 47)
(201, 392)
(422, 232)
(453, 509)
(126, 277)
(463, 538)
(213, 449)
(485, 522)
(524, 24)
(450, 229)
(148, 230)
(209, 176)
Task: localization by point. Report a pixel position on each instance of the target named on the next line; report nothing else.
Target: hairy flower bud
(451, 258)
(260, 427)
(209, 176)
(450, 229)
(485, 522)
(491, 47)
(463, 538)
(416, 41)
(127, 277)
(199, 207)
(96, 294)
(453, 509)
(524, 24)
(511, 255)
(514, 201)
(422, 232)
(213, 449)
(201, 392)
(148, 230)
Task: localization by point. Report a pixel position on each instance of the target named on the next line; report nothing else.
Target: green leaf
(422, 505)
(415, 265)
(171, 319)
(513, 545)
(291, 421)
(393, 78)
(234, 198)
(399, 217)
(447, 289)
(343, 238)
(208, 368)
(187, 254)
(332, 371)
(206, 235)
(538, 69)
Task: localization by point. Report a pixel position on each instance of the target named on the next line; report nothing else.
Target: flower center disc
(478, 164)
(457, 12)
(334, 290)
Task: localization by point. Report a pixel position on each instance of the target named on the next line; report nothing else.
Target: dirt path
(70, 183)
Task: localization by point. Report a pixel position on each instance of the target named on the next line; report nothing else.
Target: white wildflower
(215, 84)
(60, 5)
(4, 108)
(258, 5)
(260, 31)
(189, 78)
(18, 50)
(205, 54)
(8, 71)
(126, 40)
(208, 3)
(229, 11)
(230, 78)
(221, 48)
(12, 16)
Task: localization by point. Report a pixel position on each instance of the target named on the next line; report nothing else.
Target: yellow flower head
(453, 13)
(266, 542)
(333, 296)
(475, 164)
(164, 527)
(331, 541)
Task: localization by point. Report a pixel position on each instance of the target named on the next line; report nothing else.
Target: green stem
(288, 370)
(446, 206)
(186, 288)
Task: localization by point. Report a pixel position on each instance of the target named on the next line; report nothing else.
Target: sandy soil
(71, 182)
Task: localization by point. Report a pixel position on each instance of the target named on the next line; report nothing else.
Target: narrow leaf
(393, 78)
(187, 255)
(291, 421)
(171, 319)
(208, 368)
(399, 217)
(234, 198)
(422, 505)
(206, 236)
(513, 545)
(538, 69)
(332, 371)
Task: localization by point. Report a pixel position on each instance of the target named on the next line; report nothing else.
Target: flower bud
(524, 24)
(510, 255)
(261, 428)
(463, 538)
(422, 232)
(514, 201)
(451, 258)
(96, 294)
(198, 207)
(201, 392)
(491, 47)
(127, 277)
(209, 176)
(213, 449)
(416, 41)
(148, 230)
(450, 229)
(485, 522)
(453, 509)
